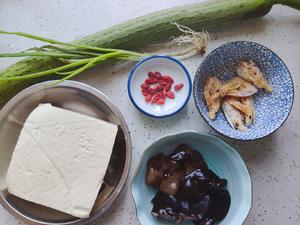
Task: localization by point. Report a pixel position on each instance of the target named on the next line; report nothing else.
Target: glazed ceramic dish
(272, 109)
(80, 98)
(220, 157)
(167, 66)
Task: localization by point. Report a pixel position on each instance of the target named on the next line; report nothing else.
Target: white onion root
(197, 41)
(187, 45)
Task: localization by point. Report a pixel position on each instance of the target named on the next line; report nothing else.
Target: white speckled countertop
(274, 162)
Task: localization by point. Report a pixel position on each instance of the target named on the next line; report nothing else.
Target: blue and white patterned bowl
(220, 157)
(272, 109)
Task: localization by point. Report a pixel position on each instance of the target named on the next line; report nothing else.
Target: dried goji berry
(158, 88)
(145, 93)
(160, 101)
(155, 99)
(168, 87)
(177, 87)
(163, 82)
(152, 81)
(148, 98)
(160, 94)
(170, 94)
(157, 75)
(151, 90)
(164, 94)
(144, 86)
(151, 74)
(165, 77)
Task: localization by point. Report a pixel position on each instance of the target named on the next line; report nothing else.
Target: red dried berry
(161, 89)
(145, 86)
(151, 74)
(163, 82)
(168, 87)
(159, 94)
(145, 93)
(152, 81)
(155, 99)
(167, 78)
(158, 88)
(151, 90)
(148, 98)
(177, 87)
(160, 101)
(157, 75)
(170, 94)
(164, 94)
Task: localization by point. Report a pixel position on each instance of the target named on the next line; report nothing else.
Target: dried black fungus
(206, 221)
(157, 167)
(220, 203)
(187, 158)
(165, 206)
(181, 153)
(188, 190)
(170, 184)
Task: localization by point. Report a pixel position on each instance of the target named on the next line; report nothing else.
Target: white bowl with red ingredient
(159, 86)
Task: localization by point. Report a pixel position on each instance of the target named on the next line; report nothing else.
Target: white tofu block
(60, 159)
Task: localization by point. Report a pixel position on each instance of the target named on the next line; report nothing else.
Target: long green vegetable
(138, 32)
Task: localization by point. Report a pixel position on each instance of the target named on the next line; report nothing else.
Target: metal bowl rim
(93, 91)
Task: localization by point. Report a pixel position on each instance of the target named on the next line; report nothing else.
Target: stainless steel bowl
(80, 98)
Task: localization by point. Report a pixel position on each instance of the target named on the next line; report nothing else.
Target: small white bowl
(166, 66)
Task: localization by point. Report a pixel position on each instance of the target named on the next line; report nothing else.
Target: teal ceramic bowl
(220, 157)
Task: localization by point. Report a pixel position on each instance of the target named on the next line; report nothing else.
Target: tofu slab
(60, 159)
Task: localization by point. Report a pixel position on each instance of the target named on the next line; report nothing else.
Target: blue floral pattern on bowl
(272, 109)
(220, 157)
